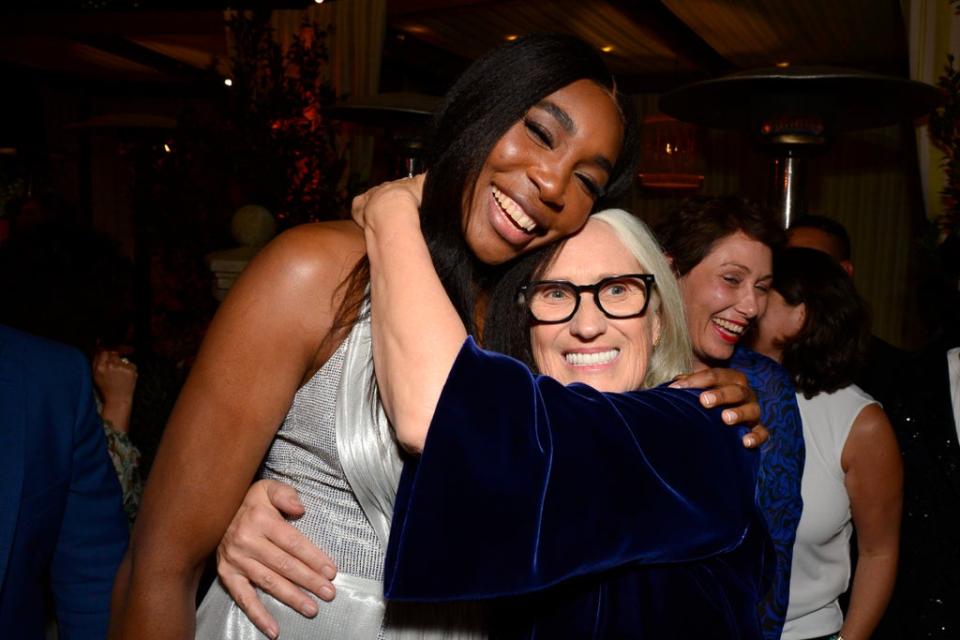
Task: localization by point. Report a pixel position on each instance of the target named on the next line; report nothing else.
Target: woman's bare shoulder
(315, 257)
(321, 245)
(292, 288)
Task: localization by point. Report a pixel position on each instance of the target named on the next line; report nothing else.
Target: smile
(727, 330)
(732, 327)
(591, 359)
(513, 211)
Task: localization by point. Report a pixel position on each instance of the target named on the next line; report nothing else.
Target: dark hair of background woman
(688, 234)
(829, 349)
(492, 94)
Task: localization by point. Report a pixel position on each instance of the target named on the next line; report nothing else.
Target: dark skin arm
(267, 338)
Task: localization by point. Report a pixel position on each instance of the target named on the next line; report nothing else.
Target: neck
(773, 354)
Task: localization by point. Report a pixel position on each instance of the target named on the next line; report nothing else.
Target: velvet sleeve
(524, 483)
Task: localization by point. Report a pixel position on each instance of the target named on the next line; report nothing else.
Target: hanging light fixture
(670, 154)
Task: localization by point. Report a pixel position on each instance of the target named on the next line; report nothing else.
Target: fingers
(757, 436)
(708, 378)
(244, 558)
(112, 362)
(404, 193)
(283, 497)
(246, 598)
(259, 537)
(241, 572)
(294, 557)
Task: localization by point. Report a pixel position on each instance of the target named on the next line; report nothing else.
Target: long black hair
(492, 94)
(827, 352)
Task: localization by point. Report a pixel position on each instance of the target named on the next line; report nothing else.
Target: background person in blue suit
(62, 526)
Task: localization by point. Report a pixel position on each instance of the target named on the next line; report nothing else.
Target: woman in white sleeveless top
(816, 325)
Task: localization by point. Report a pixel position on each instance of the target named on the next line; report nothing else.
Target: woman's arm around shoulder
(874, 481)
(268, 337)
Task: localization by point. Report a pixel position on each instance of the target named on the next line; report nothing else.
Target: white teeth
(587, 359)
(732, 327)
(513, 210)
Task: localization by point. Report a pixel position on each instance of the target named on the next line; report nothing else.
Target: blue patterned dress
(781, 469)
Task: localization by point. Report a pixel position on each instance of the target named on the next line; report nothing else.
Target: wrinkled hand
(261, 548)
(728, 388)
(115, 378)
(389, 198)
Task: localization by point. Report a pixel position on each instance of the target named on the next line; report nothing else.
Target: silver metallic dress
(336, 449)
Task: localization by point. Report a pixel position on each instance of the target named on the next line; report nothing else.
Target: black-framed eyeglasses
(555, 301)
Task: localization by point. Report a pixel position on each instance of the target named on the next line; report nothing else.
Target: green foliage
(283, 149)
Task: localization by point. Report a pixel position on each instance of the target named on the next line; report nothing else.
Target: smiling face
(724, 293)
(608, 354)
(544, 175)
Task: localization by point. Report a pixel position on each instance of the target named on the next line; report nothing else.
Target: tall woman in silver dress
(527, 143)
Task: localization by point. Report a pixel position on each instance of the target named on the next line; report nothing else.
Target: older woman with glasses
(564, 498)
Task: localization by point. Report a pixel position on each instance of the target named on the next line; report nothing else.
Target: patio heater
(795, 111)
(404, 118)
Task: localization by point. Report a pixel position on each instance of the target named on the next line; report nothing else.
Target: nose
(589, 322)
(749, 305)
(550, 180)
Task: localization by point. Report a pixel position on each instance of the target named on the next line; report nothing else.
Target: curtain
(933, 30)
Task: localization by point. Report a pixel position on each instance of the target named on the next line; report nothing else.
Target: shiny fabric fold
(369, 454)
(358, 613)
(369, 459)
(529, 487)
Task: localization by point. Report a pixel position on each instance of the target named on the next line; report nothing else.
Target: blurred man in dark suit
(62, 526)
(926, 414)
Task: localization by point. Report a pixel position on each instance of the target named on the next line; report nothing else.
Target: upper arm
(874, 480)
(263, 341)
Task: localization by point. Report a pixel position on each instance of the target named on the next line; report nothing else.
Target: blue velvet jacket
(581, 514)
(781, 469)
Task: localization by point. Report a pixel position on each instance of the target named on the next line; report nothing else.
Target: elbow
(149, 566)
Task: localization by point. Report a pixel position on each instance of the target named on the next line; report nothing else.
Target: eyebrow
(571, 128)
(562, 116)
(745, 268)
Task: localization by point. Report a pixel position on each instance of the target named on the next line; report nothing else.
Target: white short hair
(672, 354)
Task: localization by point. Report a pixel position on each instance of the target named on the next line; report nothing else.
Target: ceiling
(651, 45)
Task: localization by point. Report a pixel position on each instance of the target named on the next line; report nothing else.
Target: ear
(798, 316)
(670, 264)
(847, 266)
(655, 329)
